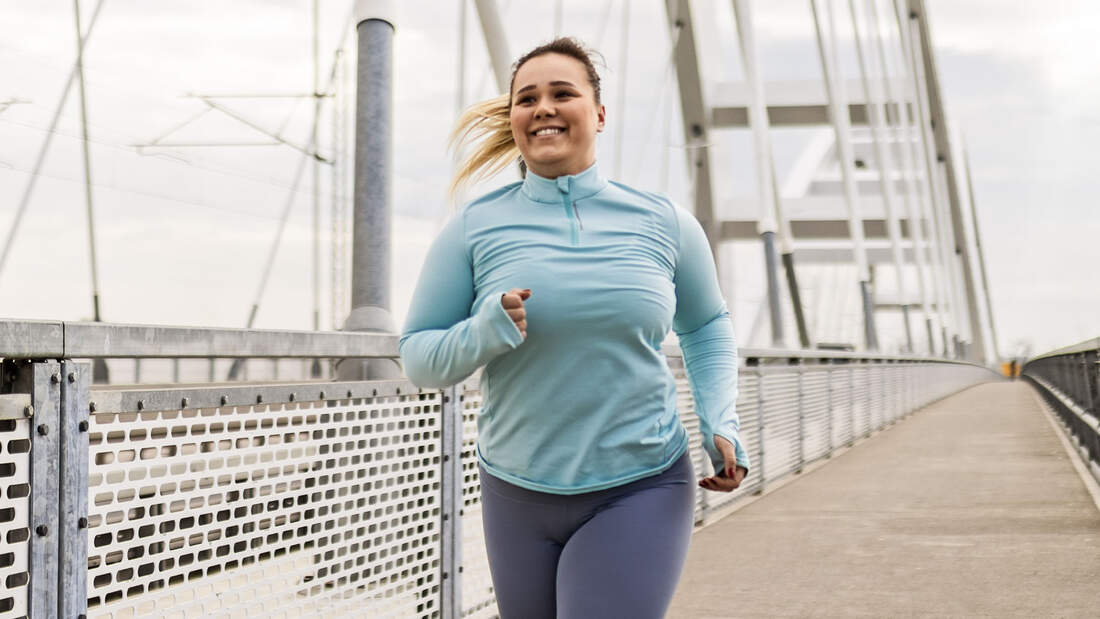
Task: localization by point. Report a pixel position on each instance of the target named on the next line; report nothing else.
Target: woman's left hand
(731, 475)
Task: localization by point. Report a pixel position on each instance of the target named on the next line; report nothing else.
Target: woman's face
(555, 117)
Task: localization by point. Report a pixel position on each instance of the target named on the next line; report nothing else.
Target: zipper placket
(575, 224)
(565, 186)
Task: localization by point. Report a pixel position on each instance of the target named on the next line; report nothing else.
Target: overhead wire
(28, 191)
(263, 180)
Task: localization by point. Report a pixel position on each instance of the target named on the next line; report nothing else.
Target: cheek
(516, 121)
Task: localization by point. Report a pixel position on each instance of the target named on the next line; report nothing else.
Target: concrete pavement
(968, 508)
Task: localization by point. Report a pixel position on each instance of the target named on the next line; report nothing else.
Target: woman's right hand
(512, 301)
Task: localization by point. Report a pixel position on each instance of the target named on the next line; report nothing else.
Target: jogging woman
(563, 286)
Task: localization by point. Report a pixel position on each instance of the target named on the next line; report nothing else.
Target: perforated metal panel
(478, 598)
(15, 444)
(333, 507)
(324, 508)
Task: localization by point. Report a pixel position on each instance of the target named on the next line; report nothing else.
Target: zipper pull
(580, 223)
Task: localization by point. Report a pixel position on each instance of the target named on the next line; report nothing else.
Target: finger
(522, 326)
(521, 294)
(739, 475)
(713, 484)
(731, 468)
(721, 484)
(517, 314)
(511, 301)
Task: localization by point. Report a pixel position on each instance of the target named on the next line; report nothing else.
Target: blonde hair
(487, 124)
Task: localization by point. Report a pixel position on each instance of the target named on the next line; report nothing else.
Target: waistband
(679, 472)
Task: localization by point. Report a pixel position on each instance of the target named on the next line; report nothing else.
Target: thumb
(729, 457)
(524, 294)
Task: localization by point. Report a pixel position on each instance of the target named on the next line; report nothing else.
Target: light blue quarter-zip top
(587, 401)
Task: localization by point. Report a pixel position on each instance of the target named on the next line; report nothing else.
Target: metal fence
(320, 498)
(1069, 380)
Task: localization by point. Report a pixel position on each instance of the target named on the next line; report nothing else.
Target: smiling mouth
(545, 131)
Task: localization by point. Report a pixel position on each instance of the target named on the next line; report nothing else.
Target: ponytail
(488, 128)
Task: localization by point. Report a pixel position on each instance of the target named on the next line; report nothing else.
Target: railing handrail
(1088, 345)
(32, 339)
(96, 340)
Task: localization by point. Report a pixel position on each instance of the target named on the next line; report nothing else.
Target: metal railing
(1069, 380)
(316, 497)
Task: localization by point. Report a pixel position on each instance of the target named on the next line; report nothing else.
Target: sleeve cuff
(716, 459)
(498, 326)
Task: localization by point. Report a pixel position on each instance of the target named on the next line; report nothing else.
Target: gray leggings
(612, 553)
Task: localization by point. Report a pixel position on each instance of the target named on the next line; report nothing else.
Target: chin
(546, 163)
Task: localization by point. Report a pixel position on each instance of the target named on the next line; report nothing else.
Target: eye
(564, 94)
(525, 99)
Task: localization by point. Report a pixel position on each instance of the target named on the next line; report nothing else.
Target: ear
(601, 117)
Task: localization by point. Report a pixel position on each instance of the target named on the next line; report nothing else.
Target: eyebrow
(555, 83)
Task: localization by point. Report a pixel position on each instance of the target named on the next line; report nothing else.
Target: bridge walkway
(971, 507)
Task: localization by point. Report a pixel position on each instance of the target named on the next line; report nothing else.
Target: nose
(544, 108)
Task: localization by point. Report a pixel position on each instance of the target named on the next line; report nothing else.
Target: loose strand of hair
(486, 126)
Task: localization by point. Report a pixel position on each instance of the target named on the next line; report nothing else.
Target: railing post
(1093, 370)
(852, 402)
(702, 495)
(73, 504)
(870, 384)
(887, 404)
(451, 512)
(760, 424)
(1088, 366)
(829, 406)
(42, 380)
(801, 418)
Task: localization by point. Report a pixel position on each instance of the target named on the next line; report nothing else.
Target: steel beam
(938, 121)
(496, 42)
(981, 257)
(372, 218)
(884, 165)
(791, 103)
(842, 131)
(904, 154)
(696, 116)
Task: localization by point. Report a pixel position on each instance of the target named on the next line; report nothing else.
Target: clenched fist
(513, 304)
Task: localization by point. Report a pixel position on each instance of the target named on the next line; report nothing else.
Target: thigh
(523, 556)
(626, 560)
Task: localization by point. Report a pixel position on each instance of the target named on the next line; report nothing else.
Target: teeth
(548, 131)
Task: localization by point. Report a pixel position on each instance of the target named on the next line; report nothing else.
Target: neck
(564, 168)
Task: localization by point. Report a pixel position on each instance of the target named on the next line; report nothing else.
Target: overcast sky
(183, 232)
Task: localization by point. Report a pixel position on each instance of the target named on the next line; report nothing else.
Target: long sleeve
(444, 340)
(703, 326)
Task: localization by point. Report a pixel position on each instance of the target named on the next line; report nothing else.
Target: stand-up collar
(576, 186)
